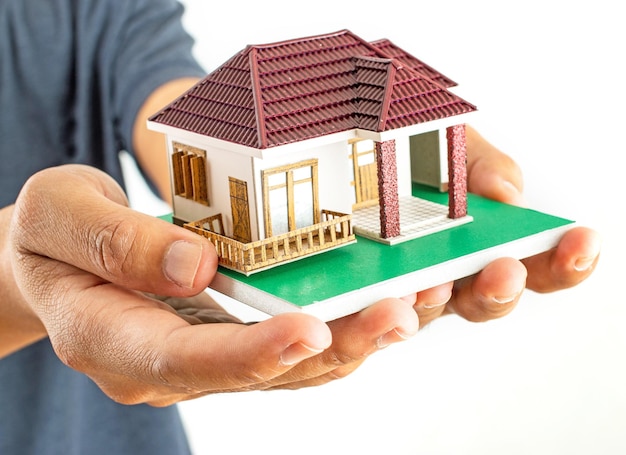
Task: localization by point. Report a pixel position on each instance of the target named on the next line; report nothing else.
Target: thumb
(78, 215)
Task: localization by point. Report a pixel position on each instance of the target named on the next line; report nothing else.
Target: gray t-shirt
(73, 74)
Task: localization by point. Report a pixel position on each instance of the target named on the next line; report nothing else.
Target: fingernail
(393, 336)
(181, 263)
(583, 264)
(505, 299)
(437, 303)
(296, 353)
(430, 306)
(514, 193)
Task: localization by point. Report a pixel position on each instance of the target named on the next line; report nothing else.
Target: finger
(199, 309)
(431, 303)
(235, 357)
(97, 233)
(571, 262)
(491, 173)
(355, 337)
(490, 294)
(139, 350)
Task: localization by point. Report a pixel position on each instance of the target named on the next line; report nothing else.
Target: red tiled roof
(393, 51)
(285, 92)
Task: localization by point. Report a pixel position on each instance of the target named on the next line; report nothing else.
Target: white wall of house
(335, 173)
(443, 160)
(403, 158)
(220, 165)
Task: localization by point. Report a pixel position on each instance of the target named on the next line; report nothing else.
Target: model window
(189, 171)
(290, 197)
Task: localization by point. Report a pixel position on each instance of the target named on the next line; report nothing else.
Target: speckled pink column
(388, 189)
(457, 171)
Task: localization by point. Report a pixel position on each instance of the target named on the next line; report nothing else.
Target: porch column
(388, 188)
(457, 171)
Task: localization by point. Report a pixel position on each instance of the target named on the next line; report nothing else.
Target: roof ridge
(256, 95)
(384, 44)
(384, 105)
(301, 40)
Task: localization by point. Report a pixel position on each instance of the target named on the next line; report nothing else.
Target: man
(81, 333)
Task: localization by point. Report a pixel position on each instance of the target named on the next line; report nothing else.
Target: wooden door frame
(240, 205)
(357, 182)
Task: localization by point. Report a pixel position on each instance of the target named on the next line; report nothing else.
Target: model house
(289, 149)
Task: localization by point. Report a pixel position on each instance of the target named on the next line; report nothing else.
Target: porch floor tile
(418, 217)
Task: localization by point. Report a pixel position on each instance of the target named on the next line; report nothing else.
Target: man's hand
(83, 263)
(495, 291)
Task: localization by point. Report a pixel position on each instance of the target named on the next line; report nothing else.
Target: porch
(418, 217)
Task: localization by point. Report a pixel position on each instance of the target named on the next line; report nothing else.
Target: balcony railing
(333, 231)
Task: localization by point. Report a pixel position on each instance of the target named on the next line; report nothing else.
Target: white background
(548, 79)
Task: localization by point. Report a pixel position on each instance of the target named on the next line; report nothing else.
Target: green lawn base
(348, 279)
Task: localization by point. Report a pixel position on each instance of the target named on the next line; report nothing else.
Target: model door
(426, 160)
(363, 156)
(240, 210)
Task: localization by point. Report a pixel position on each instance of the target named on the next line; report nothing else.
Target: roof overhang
(199, 140)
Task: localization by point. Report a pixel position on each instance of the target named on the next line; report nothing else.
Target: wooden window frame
(289, 185)
(189, 173)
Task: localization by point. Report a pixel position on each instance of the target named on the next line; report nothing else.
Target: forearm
(150, 146)
(19, 325)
